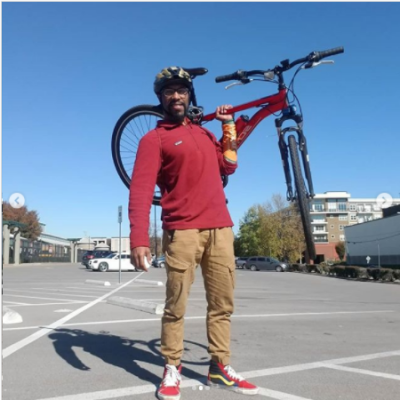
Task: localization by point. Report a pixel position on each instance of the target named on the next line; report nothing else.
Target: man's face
(175, 102)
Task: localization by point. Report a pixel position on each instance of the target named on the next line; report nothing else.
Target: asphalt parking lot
(299, 337)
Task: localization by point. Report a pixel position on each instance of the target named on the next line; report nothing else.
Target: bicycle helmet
(172, 75)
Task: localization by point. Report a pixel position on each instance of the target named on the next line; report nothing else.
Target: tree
(281, 229)
(247, 243)
(33, 229)
(340, 250)
(272, 229)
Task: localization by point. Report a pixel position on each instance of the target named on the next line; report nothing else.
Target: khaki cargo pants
(213, 250)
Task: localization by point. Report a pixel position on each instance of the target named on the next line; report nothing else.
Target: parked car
(87, 256)
(240, 261)
(159, 262)
(92, 254)
(265, 263)
(111, 263)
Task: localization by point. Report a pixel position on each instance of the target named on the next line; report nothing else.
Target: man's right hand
(137, 257)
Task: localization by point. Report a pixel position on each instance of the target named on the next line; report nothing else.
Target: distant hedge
(349, 271)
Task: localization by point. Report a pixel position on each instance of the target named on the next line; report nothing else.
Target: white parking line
(273, 394)
(24, 342)
(33, 297)
(362, 371)
(50, 304)
(125, 321)
(14, 303)
(135, 390)
(57, 291)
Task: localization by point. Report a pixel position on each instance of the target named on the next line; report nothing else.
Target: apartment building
(332, 211)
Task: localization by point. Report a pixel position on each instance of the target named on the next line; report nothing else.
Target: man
(186, 161)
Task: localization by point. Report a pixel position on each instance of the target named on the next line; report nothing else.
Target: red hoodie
(186, 163)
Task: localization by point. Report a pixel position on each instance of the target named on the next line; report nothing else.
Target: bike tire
(301, 196)
(129, 129)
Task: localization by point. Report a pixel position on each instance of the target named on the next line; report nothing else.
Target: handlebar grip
(229, 77)
(319, 55)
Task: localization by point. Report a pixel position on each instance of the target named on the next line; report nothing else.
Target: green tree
(272, 229)
(247, 243)
(281, 229)
(340, 250)
(33, 228)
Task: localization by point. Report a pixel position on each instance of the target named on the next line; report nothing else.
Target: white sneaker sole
(248, 392)
(165, 397)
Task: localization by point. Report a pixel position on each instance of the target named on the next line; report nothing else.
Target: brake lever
(315, 64)
(242, 82)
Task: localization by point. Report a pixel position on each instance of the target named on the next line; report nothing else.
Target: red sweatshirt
(186, 163)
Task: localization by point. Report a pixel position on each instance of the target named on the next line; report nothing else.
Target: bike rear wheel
(301, 196)
(128, 131)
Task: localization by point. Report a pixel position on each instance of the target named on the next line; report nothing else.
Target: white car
(111, 263)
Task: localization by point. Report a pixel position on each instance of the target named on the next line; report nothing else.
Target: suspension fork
(290, 114)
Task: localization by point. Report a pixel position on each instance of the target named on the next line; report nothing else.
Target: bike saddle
(196, 71)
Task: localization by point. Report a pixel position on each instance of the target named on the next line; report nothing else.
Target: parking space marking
(14, 303)
(51, 304)
(273, 394)
(33, 297)
(42, 332)
(135, 390)
(362, 371)
(126, 321)
(58, 291)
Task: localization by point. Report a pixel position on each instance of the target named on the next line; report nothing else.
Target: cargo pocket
(180, 249)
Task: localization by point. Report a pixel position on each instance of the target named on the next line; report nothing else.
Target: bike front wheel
(128, 131)
(301, 195)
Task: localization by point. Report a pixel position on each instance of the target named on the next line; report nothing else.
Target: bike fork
(283, 148)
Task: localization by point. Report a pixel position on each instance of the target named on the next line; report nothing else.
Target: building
(375, 242)
(125, 244)
(332, 212)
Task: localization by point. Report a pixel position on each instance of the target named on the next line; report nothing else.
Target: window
(332, 236)
(340, 227)
(353, 217)
(341, 238)
(318, 207)
(261, 259)
(342, 217)
(332, 226)
(352, 207)
(320, 228)
(342, 206)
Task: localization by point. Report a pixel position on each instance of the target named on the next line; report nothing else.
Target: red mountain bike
(137, 121)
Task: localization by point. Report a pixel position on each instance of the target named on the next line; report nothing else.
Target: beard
(175, 115)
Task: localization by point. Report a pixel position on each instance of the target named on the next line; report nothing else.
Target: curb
(157, 283)
(10, 316)
(94, 282)
(141, 305)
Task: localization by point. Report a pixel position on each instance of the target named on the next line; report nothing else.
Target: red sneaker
(225, 377)
(169, 388)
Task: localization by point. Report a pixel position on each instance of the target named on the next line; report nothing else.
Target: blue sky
(71, 69)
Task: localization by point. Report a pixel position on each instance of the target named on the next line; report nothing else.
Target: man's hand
(137, 257)
(222, 113)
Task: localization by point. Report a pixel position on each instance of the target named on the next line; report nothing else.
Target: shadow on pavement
(118, 351)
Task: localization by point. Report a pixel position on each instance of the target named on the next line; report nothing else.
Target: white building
(332, 212)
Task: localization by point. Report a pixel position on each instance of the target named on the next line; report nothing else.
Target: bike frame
(270, 105)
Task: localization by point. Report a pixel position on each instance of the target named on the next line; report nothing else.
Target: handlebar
(314, 56)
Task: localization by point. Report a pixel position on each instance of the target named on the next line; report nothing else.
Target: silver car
(259, 263)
